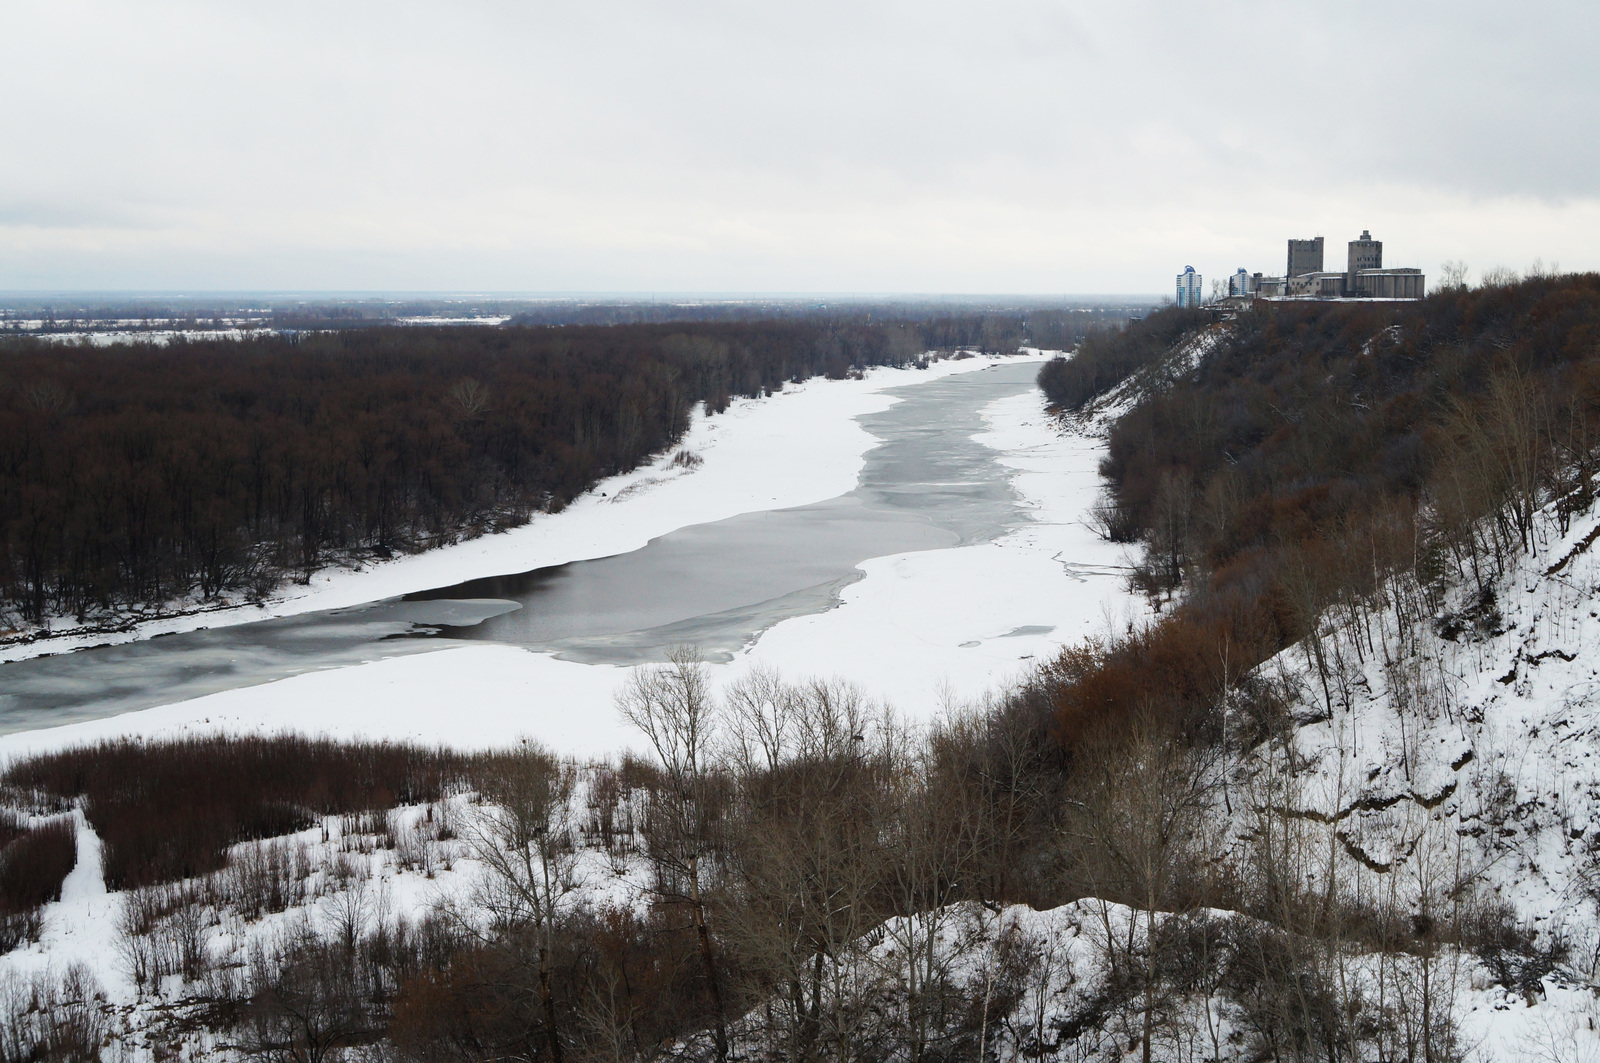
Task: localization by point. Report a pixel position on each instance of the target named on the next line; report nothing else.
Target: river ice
(923, 630)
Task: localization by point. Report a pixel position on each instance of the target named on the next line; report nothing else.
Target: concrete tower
(1365, 253)
(1305, 256)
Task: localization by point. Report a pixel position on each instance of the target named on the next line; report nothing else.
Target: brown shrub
(34, 863)
(170, 809)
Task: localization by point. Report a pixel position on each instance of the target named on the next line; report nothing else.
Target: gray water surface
(927, 486)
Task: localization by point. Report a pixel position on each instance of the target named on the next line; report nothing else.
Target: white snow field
(920, 630)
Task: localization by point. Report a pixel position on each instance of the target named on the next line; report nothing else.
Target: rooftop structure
(1365, 253)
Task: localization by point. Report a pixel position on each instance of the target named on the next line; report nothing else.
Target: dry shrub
(53, 1018)
(1176, 669)
(33, 865)
(169, 810)
(266, 877)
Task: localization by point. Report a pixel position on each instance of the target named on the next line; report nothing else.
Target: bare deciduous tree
(673, 707)
(1135, 826)
(808, 856)
(524, 842)
(468, 398)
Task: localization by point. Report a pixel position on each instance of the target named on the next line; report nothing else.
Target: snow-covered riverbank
(799, 446)
(919, 630)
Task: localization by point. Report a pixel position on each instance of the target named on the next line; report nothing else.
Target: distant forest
(134, 476)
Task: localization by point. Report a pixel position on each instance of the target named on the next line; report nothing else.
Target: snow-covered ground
(482, 319)
(154, 337)
(402, 879)
(1480, 725)
(919, 630)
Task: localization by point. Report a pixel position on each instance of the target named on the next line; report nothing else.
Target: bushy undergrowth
(53, 1018)
(33, 863)
(169, 810)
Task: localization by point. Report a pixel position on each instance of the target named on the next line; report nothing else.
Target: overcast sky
(1032, 146)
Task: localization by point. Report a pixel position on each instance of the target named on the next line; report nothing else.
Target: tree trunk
(709, 960)
(549, 1004)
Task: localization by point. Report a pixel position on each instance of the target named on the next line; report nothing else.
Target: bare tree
(310, 1002)
(760, 719)
(672, 706)
(469, 398)
(1452, 274)
(935, 840)
(807, 853)
(348, 912)
(524, 842)
(1135, 825)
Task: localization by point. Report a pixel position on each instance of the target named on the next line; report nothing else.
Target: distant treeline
(137, 475)
(1051, 328)
(1055, 325)
(134, 475)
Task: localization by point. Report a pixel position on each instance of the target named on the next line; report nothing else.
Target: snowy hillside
(1455, 759)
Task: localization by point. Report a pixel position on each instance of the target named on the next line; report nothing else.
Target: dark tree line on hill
(1108, 356)
(131, 476)
(1319, 449)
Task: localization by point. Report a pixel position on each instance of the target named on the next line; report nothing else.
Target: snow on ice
(920, 630)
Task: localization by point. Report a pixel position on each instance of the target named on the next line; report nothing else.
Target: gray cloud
(1033, 145)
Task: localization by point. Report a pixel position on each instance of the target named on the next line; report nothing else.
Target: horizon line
(632, 295)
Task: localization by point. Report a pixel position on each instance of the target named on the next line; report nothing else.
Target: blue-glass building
(1189, 292)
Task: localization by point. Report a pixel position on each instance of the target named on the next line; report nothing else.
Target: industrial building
(1405, 283)
(1305, 256)
(1364, 275)
(1365, 253)
(1317, 285)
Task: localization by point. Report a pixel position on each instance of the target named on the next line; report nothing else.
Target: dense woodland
(1110, 356)
(1320, 449)
(791, 874)
(137, 476)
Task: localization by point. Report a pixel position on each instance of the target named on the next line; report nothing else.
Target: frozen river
(927, 485)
